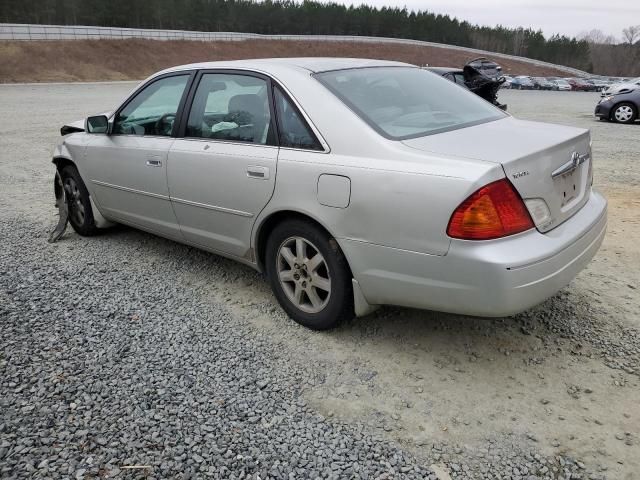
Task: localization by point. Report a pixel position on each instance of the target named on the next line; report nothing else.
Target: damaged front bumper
(63, 209)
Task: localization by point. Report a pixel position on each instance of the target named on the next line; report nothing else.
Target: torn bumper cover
(63, 209)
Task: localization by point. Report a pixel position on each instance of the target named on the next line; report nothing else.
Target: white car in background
(350, 183)
(508, 80)
(562, 85)
(621, 87)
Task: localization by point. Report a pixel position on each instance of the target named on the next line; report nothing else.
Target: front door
(128, 167)
(222, 173)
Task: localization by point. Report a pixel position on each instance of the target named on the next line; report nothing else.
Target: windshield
(407, 102)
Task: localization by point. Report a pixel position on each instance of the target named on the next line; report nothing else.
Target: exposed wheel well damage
(61, 162)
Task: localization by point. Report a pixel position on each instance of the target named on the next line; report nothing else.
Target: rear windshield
(407, 102)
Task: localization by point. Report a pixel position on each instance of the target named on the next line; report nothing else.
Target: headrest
(249, 102)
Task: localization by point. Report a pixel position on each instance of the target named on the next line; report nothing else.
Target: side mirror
(97, 124)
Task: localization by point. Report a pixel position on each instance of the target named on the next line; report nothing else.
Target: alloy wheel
(76, 208)
(303, 274)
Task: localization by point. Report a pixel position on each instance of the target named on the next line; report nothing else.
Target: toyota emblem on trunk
(571, 165)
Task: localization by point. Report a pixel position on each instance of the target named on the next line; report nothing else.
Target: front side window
(231, 107)
(293, 130)
(407, 102)
(153, 110)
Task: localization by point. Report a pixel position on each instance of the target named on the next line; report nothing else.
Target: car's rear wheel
(624, 112)
(78, 202)
(309, 275)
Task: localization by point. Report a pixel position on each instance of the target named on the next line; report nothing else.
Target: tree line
(609, 57)
(292, 17)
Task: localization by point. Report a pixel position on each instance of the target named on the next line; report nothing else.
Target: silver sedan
(350, 183)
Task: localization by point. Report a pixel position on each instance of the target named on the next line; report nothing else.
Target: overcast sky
(568, 17)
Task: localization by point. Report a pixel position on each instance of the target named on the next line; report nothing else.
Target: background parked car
(621, 86)
(486, 67)
(456, 75)
(600, 83)
(474, 80)
(581, 85)
(594, 85)
(562, 84)
(542, 83)
(522, 82)
(508, 81)
(622, 107)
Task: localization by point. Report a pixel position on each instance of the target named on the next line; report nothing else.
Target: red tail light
(496, 210)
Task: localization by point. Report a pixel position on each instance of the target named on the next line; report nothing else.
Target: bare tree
(597, 37)
(631, 34)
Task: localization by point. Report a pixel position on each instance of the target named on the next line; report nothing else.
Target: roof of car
(443, 70)
(313, 64)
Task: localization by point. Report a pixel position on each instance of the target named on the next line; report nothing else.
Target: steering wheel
(164, 124)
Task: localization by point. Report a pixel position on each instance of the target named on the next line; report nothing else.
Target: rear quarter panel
(402, 201)
(400, 197)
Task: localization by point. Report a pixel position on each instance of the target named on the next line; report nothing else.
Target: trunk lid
(543, 162)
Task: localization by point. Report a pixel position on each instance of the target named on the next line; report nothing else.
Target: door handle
(261, 173)
(154, 163)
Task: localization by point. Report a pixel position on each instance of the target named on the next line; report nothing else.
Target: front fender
(61, 151)
(63, 156)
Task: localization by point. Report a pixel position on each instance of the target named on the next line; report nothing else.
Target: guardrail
(31, 32)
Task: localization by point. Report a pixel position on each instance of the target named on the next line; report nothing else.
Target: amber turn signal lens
(495, 210)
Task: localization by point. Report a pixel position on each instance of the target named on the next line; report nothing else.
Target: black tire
(80, 212)
(339, 302)
(625, 105)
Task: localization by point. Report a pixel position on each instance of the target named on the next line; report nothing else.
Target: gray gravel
(109, 361)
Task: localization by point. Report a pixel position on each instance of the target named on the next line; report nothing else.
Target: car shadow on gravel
(571, 317)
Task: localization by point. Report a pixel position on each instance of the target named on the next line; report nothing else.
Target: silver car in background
(350, 183)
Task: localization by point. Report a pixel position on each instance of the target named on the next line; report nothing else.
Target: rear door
(128, 166)
(222, 173)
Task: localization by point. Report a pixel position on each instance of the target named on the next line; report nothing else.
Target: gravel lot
(127, 350)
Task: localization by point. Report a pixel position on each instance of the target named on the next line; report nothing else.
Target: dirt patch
(96, 60)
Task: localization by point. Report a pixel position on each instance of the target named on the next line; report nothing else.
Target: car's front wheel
(309, 274)
(624, 113)
(78, 202)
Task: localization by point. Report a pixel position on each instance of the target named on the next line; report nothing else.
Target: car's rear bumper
(488, 278)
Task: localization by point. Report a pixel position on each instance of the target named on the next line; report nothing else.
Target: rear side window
(293, 130)
(407, 102)
(231, 107)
